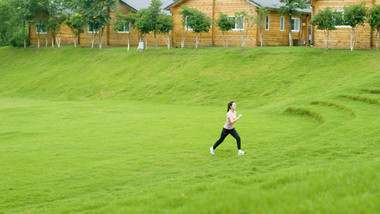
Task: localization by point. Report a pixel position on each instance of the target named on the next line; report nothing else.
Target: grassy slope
(90, 130)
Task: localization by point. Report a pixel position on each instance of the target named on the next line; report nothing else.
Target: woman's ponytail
(229, 105)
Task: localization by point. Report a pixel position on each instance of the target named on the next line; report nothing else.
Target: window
(92, 29)
(282, 23)
(295, 24)
(41, 29)
(339, 19)
(124, 28)
(266, 22)
(239, 22)
(187, 26)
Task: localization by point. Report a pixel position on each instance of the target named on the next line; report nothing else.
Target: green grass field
(106, 131)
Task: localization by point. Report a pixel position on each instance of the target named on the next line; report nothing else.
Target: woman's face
(233, 106)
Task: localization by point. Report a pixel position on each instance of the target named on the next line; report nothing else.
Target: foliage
(165, 23)
(355, 15)
(373, 18)
(76, 23)
(224, 23)
(324, 19)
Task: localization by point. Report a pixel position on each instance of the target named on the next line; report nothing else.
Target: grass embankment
(87, 130)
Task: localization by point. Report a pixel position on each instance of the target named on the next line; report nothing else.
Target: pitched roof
(137, 5)
(274, 4)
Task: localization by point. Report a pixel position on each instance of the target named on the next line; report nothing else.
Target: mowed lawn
(104, 131)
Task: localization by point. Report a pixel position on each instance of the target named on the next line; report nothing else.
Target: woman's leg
(223, 135)
(237, 137)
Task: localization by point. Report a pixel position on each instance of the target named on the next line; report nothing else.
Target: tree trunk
(261, 37)
(196, 41)
(290, 30)
(38, 40)
(100, 38)
(352, 40)
(227, 37)
(224, 39)
(52, 40)
(155, 40)
(146, 43)
(24, 25)
(92, 40)
(377, 40)
(183, 38)
(327, 39)
(75, 41)
(129, 36)
(241, 37)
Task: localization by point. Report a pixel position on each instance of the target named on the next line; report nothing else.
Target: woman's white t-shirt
(228, 124)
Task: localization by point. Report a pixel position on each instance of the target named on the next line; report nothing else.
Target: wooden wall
(230, 7)
(271, 37)
(275, 37)
(340, 38)
(110, 36)
(206, 6)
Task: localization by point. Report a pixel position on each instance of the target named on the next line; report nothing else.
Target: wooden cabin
(341, 37)
(275, 33)
(110, 37)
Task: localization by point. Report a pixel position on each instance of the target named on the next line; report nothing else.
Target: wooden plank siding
(341, 37)
(110, 36)
(272, 37)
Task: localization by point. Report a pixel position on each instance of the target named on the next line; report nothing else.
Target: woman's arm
(234, 120)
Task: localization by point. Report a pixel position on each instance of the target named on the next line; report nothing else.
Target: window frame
(236, 24)
(125, 31)
(187, 27)
(41, 32)
(88, 30)
(295, 25)
(282, 23)
(341, 26)
(267, 23)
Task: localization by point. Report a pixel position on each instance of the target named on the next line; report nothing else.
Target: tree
(373, 18)
(24, 11)
(97, 16)
(154, 13)
(76, 23)
(143, 23)
(354, 16)
(186, 12)
(165, 25)
(225, 24)
(260, 21)
(125, 21)
(246, 21)
(199, 22)
(57, 16)
(5, 22)
(325, 20)
(290, 8)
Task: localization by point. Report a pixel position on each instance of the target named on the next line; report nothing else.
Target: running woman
(229, 128)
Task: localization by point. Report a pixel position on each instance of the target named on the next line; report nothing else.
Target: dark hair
(229, 105)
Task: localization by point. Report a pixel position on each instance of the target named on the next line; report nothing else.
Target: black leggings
(224, 134)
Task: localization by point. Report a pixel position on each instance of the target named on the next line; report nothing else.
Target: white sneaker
(212, 150)
(240, 152)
